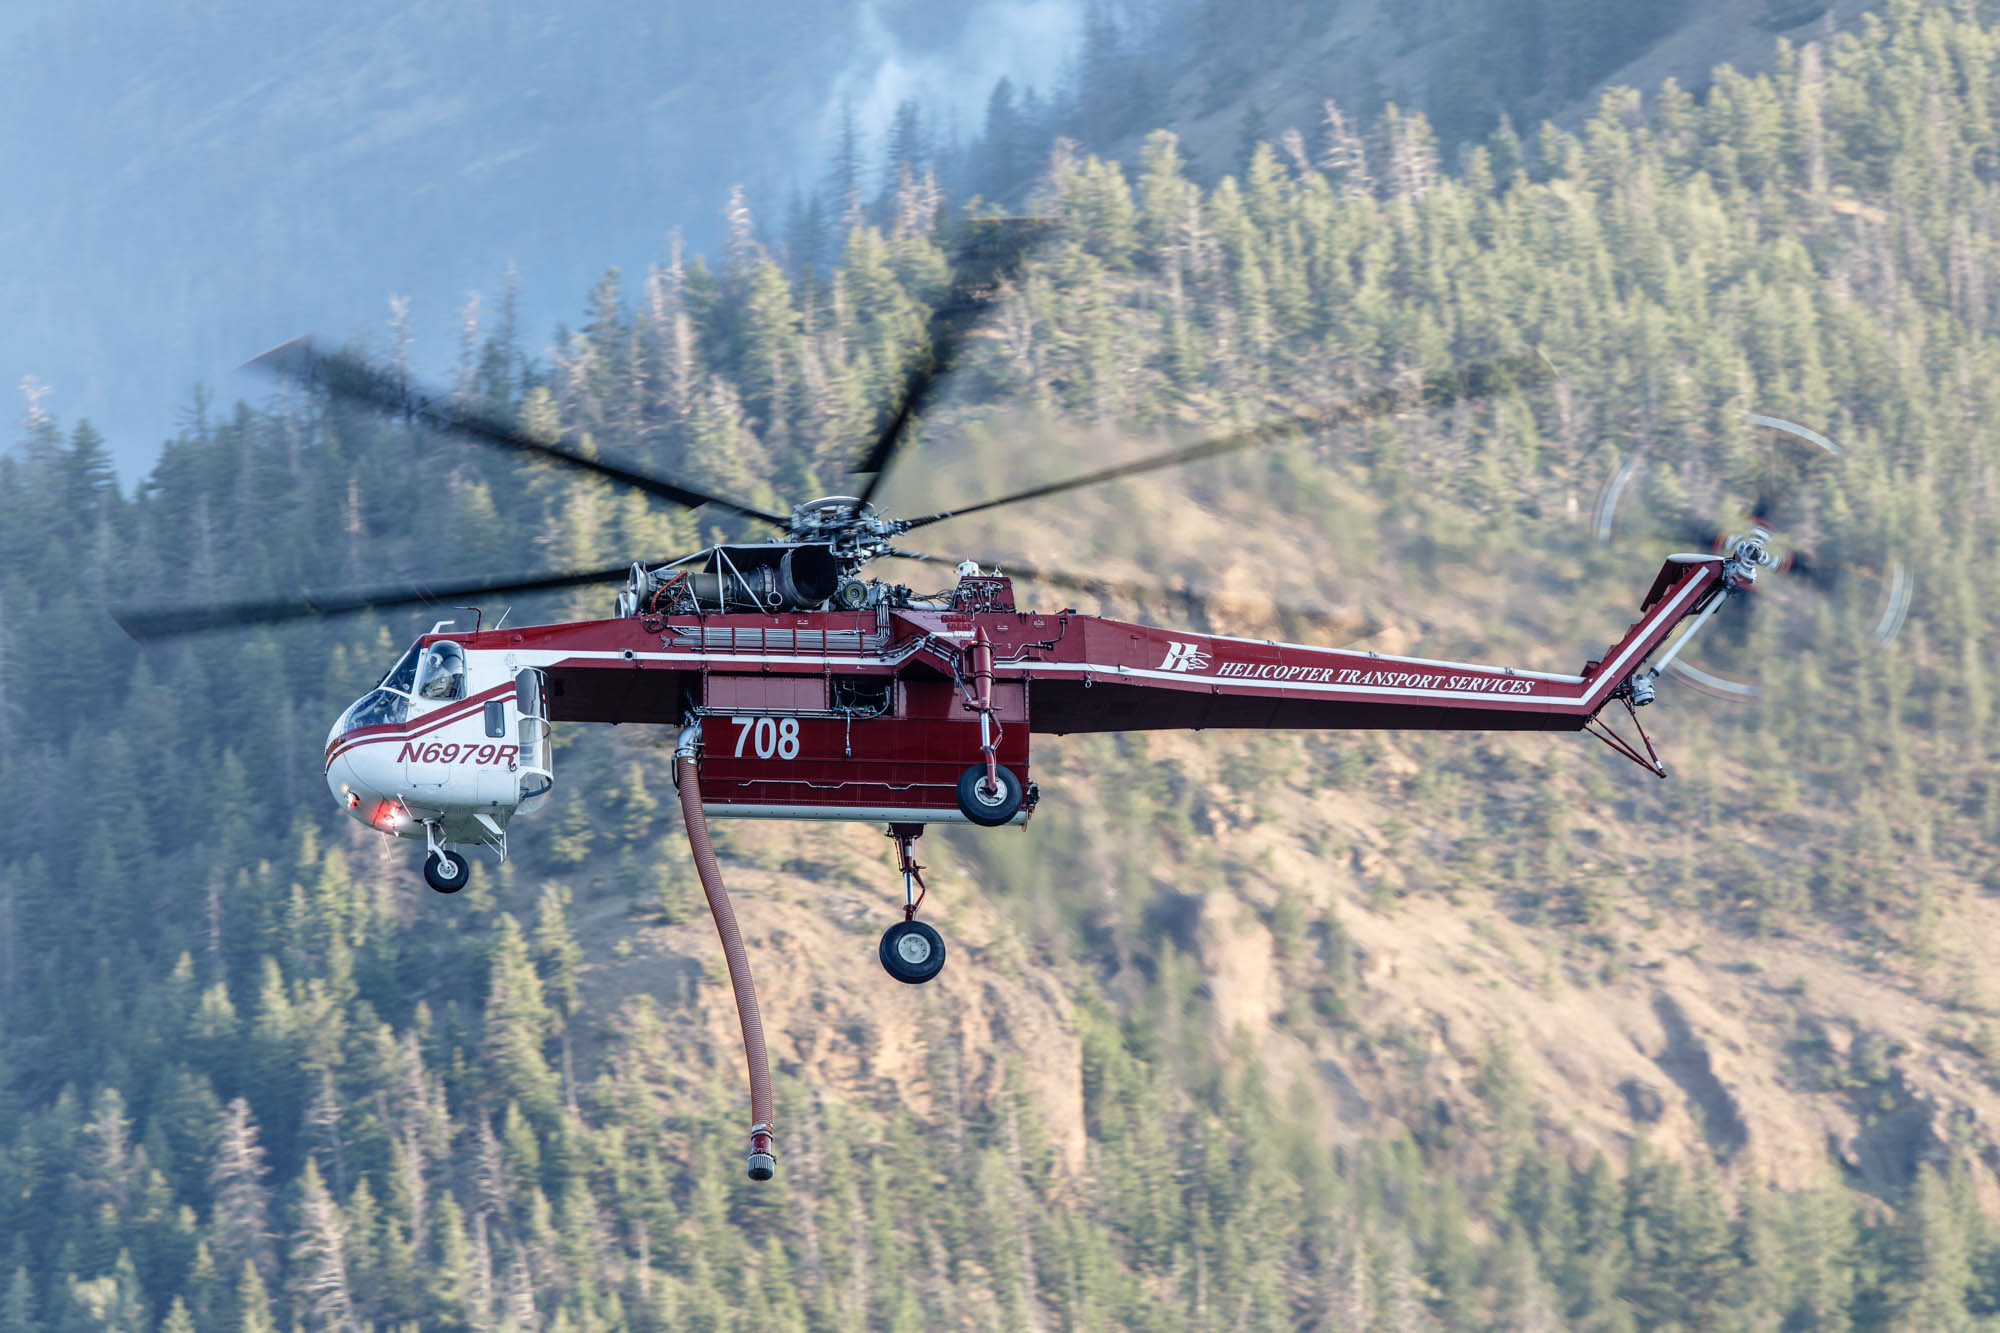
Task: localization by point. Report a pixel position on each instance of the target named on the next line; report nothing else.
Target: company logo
(1184, 657)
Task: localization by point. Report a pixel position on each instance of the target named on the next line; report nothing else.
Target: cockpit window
(444, 672)
(372, 710)
(403, 675)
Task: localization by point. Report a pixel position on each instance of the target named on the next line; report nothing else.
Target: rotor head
(855, 530)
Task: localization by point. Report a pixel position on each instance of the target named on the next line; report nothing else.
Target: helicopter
(801, 687)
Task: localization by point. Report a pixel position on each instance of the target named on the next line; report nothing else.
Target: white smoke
(1029, 41)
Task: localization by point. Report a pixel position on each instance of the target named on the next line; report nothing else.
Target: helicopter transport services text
(1399, 680)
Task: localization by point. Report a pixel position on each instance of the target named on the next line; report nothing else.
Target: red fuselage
(868, 714)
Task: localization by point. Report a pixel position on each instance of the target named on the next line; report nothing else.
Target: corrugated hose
(763, 1160)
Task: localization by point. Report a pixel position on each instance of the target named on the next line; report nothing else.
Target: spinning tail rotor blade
(1475, 382)
(1764, 509)
(170, 622)
(993, 250)
(346, 375)
(1814, 567)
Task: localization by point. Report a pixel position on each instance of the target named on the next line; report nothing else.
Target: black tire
(912, 952)
(986, 808)
(447, 872)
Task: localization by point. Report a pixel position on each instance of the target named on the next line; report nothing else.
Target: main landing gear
(912, 952)
(989, 795)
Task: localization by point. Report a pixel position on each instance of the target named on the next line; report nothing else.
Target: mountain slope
(1265, 1032)
(1463, 64)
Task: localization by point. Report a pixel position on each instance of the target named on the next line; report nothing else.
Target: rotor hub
(854, 529)
(1748, 552)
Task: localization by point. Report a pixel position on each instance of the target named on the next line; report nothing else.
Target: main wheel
(446, 872)
(912, 952)
(983, 806)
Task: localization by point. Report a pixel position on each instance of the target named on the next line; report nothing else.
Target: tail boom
(1118, 676)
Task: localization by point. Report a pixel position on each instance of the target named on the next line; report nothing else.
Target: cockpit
(427, 674)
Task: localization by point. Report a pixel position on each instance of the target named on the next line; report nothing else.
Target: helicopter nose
(341, 781)
(367, 786)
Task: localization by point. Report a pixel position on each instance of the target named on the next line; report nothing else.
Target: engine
(766, 577)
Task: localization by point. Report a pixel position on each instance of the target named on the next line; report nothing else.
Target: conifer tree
(17, 1307)
(241, 1224)
(316, 1268)
(518, 1024)
(178, 1319)
(253, 1304)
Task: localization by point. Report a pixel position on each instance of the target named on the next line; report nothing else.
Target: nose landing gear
(447, 872)
(911, 951)
(444, 870)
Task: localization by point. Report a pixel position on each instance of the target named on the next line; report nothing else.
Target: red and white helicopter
(802, 688)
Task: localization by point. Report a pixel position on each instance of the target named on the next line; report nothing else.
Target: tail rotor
(1799, 563)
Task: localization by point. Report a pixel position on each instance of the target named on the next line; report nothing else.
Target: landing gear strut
(911, 951)
(444, 870)
(988, 794)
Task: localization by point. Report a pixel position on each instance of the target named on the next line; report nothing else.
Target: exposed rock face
(1235, 953)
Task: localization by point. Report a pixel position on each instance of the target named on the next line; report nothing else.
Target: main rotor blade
(347, 375)
(1475, 382)
(170, 622)
(1132, 590)
(992, 250)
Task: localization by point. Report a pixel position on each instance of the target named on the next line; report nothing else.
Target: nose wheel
(444, 870)
(447, 872)
(911, 951)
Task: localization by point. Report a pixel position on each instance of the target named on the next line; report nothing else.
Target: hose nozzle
(763, 1161)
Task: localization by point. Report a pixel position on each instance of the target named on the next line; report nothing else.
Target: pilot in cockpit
(444, 672)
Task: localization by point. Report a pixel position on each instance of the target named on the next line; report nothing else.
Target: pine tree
(770, 352)
(241, 1224)
(253, 1305)
(557, 954)
(1004, 152)
(1932, 1273)
(178, 1319)
(316, 1266)
(89, 485)
(844, 173)
(17, 1308)
(450, 1283)
(518, 1024)
(908, 147)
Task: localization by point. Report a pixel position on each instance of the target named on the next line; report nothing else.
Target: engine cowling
(776, 577)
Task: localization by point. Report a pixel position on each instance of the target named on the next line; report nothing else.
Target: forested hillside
(1242, 1032)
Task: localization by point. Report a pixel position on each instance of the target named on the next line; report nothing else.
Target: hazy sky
(188, 184)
